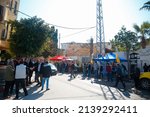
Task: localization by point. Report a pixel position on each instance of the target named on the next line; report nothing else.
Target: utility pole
(59, 41)
(91, 48)
(100, 37)
(58, 49)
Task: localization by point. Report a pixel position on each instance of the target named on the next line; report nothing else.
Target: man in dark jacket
(46, 73)
(72, 70)
(136, 77)
(119, 75)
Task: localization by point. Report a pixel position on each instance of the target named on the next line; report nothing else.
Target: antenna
(100, 38)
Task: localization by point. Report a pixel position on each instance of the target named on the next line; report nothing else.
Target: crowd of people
(110, 72)
(20, 71)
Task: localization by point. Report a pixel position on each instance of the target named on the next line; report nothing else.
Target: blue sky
(82, 13)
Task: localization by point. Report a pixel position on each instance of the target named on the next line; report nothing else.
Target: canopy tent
(58, 58)
(109, 57)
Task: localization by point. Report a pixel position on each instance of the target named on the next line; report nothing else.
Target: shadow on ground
(127, 93)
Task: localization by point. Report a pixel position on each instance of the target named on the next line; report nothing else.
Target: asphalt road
(62, 88)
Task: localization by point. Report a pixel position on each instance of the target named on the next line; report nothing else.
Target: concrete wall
(144, 57)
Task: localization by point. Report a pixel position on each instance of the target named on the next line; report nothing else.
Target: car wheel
(145, 84)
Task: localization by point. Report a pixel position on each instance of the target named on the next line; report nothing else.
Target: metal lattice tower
(100, 37)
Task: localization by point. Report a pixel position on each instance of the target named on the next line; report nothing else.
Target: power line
(24, 13)
(65, 27)
(78, 32)
(71, 28)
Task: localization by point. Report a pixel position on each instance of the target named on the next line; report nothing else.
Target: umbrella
(58, 58)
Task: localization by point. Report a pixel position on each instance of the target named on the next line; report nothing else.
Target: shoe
(39, 85)
(48, 89)
(41, 89)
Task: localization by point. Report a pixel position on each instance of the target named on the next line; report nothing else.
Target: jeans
(84, 72)
(89, 73)
(96, 74)
(45, 79)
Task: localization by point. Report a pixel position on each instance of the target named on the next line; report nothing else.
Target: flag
(117, 58)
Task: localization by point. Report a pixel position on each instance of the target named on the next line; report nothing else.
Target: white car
(54, 69)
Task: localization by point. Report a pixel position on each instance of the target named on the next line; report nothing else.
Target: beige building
(8, 11)
(79, 51)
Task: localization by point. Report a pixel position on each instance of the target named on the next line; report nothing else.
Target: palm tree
(143, 32)
(146, 6)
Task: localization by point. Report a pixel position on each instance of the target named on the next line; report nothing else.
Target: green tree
(143, 32)
(126, 40)
(50, 46)
(28, 36)
(48, 49)
(146, 6)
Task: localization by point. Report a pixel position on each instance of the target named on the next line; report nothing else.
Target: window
(7, 28)
(15, 8)
(3, 34)
(1, 13)
(11, 4)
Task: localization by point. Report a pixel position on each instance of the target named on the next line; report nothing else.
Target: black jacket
(46, 70)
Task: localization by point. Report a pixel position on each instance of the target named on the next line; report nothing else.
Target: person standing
(40, 65)
(109, 71)
(46, 72)
(136, 76)
(96, 70)
(89, 70)
(113, 70)
(9, 79)
(31, 69)
(145, 67)
(72, 70)
(101, 72)
(84, 70)
(36, 64)
(20, 77)
(119, 77)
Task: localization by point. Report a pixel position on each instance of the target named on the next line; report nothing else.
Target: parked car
(145, 80)
(54, 69)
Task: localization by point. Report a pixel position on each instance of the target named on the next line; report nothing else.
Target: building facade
(8, 12)
(79, 51)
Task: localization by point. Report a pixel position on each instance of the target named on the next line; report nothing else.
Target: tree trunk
(128, 60)
(143, 42)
